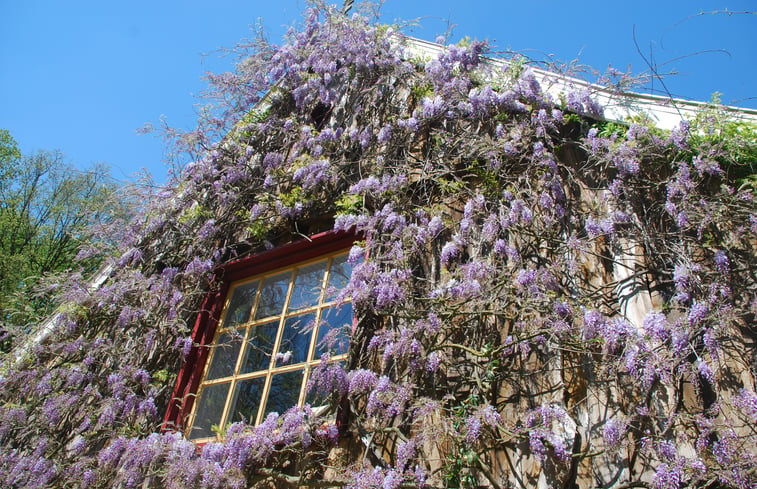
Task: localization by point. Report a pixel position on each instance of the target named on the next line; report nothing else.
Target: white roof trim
(53, 322)
(666, 112)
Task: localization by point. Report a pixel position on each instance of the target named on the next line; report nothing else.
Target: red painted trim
(181, 400)
(287, 255)
(189, 378)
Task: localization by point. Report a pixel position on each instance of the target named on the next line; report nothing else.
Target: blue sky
(84, 76)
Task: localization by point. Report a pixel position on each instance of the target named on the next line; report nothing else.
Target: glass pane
(225, 354)
(339, 276)
(334, 330)
(273, 295)
(307, 286)
(257, 356)
(296, 338)
(241, 303)
(246, 402)
(209, 410)
(285, 391)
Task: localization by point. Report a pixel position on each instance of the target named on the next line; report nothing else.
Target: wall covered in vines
(543, 299)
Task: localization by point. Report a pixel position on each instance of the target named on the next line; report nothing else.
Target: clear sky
(83, 76)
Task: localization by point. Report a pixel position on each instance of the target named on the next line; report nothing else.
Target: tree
(8, 147)
(48, 210)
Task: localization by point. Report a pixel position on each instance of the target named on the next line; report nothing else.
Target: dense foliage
(49, 211)
(544, 299)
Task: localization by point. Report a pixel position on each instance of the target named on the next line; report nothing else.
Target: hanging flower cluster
(543, 298)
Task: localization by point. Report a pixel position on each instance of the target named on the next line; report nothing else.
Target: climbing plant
(542, 298)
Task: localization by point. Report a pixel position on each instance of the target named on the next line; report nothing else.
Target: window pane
(209, 410)
(307, 286)
(241, 303)
(257, 355)
(339, 276)
(287, 309)
(285, 391)
(225, 354)
(273, 295)
(334, 330)
(296, 338)
(246, 402)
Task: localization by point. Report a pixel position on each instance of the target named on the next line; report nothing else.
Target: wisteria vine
(543, 298)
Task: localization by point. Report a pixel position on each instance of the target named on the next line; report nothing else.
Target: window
(272, 331)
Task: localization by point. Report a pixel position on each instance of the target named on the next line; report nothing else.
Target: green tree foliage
(8, 147)
(48, 210)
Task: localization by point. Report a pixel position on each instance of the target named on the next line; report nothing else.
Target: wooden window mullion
(316, 308)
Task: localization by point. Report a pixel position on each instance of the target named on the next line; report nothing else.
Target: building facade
(409, 265)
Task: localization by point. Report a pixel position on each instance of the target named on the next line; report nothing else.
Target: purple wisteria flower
(747, 401)
(356, 255)
(683, 281)
(450, 251)
(594, 324)
(705, 371)
(314, 174)
(721, 261)
(385, 134)
(490, 416)
(698, 312)
(525, 278)
(387, 399)
(593, 228)
(432, 107)
(472, 429)
(613, 432)
(667, 476)
(406, 452)
(616, 187)
(411, 124)
(365, 137)
(433, 361)
(706, 166)
(655, 325)
(435, 226)
(361, 381)
(272, 160)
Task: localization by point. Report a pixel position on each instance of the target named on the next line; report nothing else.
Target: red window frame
(190, 376)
